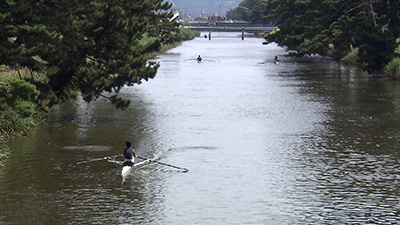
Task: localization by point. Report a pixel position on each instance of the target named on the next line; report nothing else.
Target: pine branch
(338, 10)
(82, 83)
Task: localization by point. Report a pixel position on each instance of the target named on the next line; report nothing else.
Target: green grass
(18, 111)
(7, 73)
(397, 50)
(393, 69)
(351, 58)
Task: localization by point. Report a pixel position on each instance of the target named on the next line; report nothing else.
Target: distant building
(215, 17)
(203, 13)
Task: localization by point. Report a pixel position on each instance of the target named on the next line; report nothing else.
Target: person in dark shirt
(129, 154)
(276, 60)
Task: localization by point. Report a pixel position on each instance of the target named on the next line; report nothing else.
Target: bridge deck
(229, 26)
(255, 29)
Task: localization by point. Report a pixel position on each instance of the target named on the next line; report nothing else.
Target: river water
(307, 141)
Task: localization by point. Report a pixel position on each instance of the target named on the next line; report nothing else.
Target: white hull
(126, 169)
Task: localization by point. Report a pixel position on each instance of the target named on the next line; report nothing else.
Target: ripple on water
(88, 148)
(346, 186)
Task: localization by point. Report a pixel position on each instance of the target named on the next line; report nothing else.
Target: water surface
(307, 141)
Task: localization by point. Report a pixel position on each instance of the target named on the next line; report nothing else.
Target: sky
(195, 7)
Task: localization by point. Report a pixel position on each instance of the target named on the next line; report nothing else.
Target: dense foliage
(18, 108)
(93, 47)
(336, 27)
(252, 11)
(393, 68)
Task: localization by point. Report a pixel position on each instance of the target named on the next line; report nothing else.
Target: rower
(129, 154)
(276, 60)
(199, 58)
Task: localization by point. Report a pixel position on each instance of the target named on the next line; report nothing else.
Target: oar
(165, 164)
(94, 160)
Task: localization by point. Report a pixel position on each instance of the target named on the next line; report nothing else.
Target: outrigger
(126, 169)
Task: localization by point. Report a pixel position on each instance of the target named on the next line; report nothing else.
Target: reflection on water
(307, 141)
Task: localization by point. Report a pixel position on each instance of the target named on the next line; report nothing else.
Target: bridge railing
(229, 26)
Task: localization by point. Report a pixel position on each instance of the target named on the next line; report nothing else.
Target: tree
(375, 47)
(335, 27)
(249, 10)
(93, 47)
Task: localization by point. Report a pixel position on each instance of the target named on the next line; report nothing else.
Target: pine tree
(251, 11)
(93, 47)
(336, 27)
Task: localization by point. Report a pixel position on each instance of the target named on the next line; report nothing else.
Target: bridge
(229, 26)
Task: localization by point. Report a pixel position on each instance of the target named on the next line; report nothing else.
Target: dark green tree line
(94, 47)
(336, 27)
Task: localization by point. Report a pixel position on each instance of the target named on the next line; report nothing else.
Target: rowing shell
(126, 169)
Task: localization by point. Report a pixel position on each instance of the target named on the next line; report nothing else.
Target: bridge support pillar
(209, 35)
(242, 33)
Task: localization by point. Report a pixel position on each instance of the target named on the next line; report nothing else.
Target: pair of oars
(111, 157)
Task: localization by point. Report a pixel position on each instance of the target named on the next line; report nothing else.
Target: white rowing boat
(126, 169)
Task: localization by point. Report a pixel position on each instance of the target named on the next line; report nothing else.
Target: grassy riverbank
(18, 106)
(391, 70)
(184, 34)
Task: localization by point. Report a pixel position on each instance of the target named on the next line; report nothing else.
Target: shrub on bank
(13, 123)
(18, 109)
(176, 39)
(188, 34)
(351, 58)
(393, 68)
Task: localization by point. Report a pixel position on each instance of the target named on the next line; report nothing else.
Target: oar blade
(93, 160)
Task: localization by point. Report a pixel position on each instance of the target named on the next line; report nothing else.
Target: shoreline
(14, 124)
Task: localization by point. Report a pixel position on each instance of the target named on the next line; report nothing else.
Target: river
(308, 141)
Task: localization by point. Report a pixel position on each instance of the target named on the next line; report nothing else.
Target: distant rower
(276, 60)
(199, 58)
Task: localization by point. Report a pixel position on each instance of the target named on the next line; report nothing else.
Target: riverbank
(391, 70)
(19, 109)
(184, 34)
